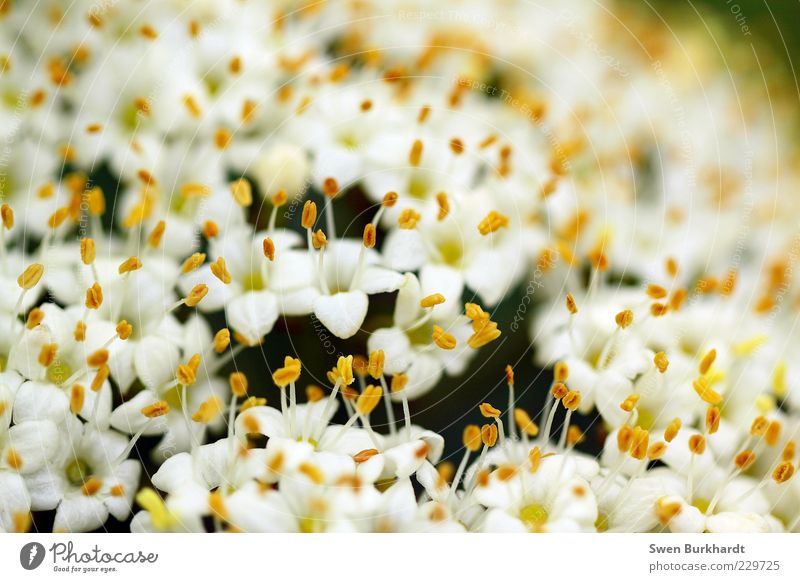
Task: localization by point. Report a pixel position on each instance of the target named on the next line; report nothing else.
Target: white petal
(253, 314)
(35, 441)
(379, 280)
(80, 513)
(396, 348)
(447, 281)
(342, 313)
(155, 361)
(14, 499)
(404, 250)
(40, 401)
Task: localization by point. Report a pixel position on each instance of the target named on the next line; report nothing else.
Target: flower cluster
(180, 177)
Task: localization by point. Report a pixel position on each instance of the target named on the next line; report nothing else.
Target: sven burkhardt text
(697, 549)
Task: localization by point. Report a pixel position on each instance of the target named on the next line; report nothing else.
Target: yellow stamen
(30, 276)
(242, 192)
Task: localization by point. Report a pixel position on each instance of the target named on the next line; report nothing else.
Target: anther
(624, 319)
(192, 262)
(130, 264)
(242, 192)
(238, 384)
(443, 339)
(489, 411)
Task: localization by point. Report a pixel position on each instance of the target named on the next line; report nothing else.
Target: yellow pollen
(705, 392)
(312, 472)
(656, 451)
(666, 511)
(399, 382)
(30, 276)
(124, 330)
(47, 354)
(624, 318)
(268, 248)
(389, 199)
(759, 426)
(13, 459)
(130, 264)
(156, 409)
(525, 423)
(707, 361)
(279, 198)
(431, 300)
(749, 347)
(220, 270)
(117, 490)
(309, 216)
(91, 486)
(76, 398)
(559, 390)
(344, 366)
(209, 410)
(160, 516)
(98, 358)
(88, 251)
(443, 339)
(97, 201)
(415, 155)
(640, 441)
(242, 192)
(35, 317)
(630, 402)
(489, 411)
(472, 437)
(369, 399)
(238, 384)
(99, 379)
(408, 219)
(194, 190)
(376, 363)
(222, 339)
(80, 331)
(185, 375)
(661, 362)
(658, 309)
(7, 215)
(783, 472)
(489, 434)
(773, 433)
(289, 373)
(561, 372)
(196, 295)
(319, 240)
(744, 460)
(572, 307)
(210, 229)
(192, 262)
(222, 138)
(677, 299)
(572, 400)
(314, 393)
(58, 217)
(365, 455)
(624, 438)
(192, 106)
(485, 332)
(713, 416)
(94, 296)
(697, 444)
(330, 187)
(370, 236)
(656, 291)
(444, 206)
(493, 222)
(779, 379)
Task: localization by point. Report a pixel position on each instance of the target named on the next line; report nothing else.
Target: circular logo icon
(31, 555)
